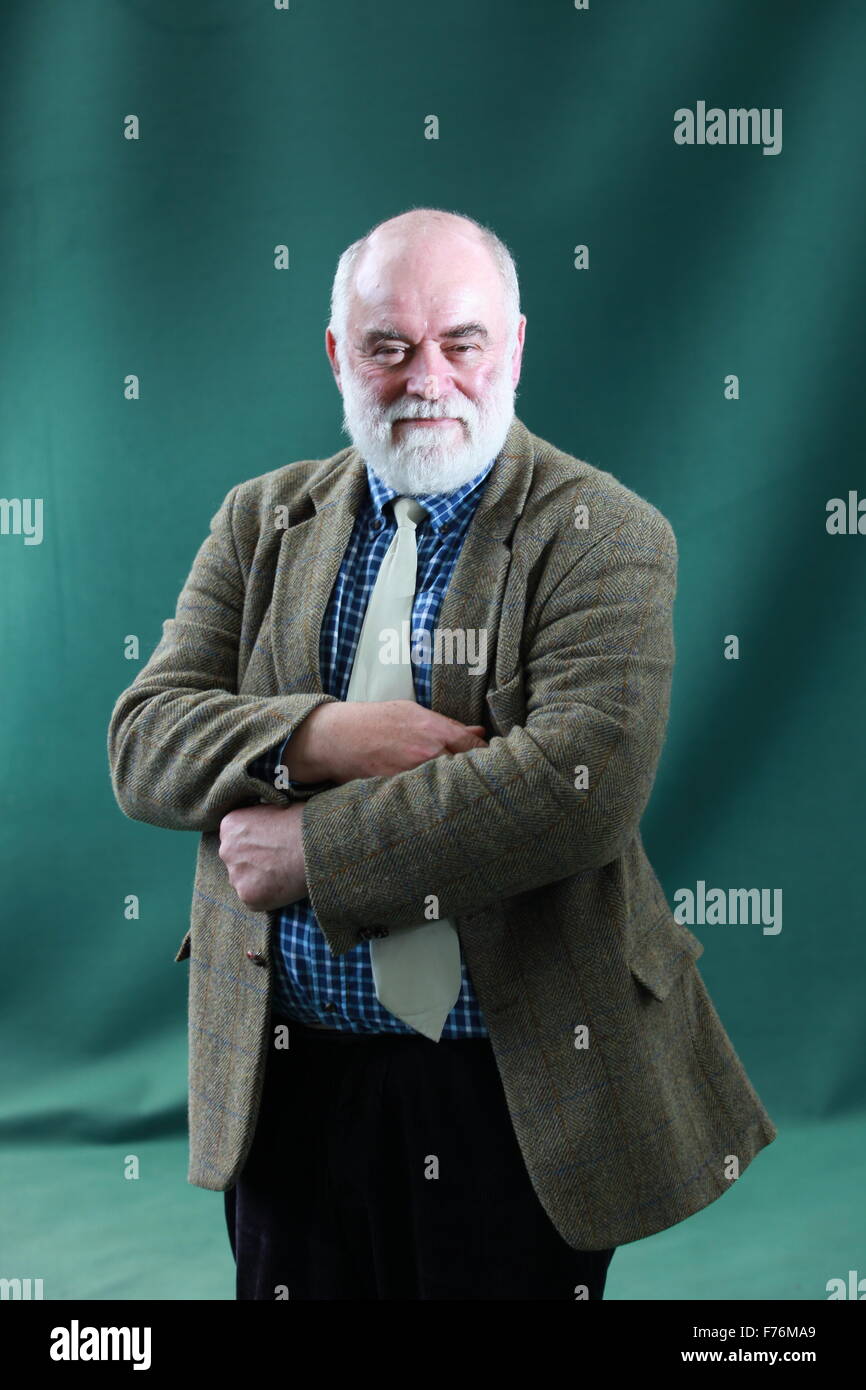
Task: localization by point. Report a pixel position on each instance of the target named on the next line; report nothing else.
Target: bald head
(422, 228)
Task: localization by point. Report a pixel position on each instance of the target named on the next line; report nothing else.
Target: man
(446, 1038)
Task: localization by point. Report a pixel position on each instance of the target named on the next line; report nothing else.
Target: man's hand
(262, 848)
(340, 741)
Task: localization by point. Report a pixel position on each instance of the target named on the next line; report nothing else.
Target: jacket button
(381, 931)
(256, 958)
(364, 933)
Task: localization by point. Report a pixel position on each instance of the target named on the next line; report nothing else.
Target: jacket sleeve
(476, 827)
(181, 739)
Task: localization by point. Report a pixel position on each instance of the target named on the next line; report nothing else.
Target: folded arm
(181, 739)
(482, 825)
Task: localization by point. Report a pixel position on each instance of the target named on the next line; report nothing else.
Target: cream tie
(416, 970)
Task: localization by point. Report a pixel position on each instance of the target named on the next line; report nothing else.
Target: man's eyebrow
(466, 330)
(390, 334)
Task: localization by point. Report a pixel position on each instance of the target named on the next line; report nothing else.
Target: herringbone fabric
(627, 1097)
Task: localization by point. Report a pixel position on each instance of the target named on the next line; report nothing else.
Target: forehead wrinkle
(410, 260)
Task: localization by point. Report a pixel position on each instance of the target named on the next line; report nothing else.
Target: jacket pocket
(184, 946)
(507, 705)
(660, 956)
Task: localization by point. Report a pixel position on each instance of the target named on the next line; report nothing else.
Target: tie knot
(407, 509)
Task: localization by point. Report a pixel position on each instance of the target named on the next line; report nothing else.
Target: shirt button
(330, 1008)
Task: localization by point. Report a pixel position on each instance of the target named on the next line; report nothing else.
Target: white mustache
(413, 415)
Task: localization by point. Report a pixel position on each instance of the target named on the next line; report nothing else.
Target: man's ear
(517, 355)
(331, 349)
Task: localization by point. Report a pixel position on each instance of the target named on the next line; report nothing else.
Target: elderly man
(446, 1038)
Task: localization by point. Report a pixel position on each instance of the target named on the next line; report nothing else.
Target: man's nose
(430, 374)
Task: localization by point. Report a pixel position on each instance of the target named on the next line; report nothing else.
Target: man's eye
(455, 347)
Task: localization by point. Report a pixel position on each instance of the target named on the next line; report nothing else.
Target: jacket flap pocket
(507, 705)
(184, 946)
(659, 957)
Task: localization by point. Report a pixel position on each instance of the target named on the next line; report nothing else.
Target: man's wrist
(309, 746)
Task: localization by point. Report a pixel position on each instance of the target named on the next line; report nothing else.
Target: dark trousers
(386, 1166)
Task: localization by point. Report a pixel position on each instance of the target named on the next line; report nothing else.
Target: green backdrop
(155, 256)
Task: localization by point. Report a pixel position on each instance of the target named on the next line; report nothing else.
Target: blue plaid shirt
(311, 984)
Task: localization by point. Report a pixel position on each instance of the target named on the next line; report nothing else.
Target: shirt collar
(443, 507)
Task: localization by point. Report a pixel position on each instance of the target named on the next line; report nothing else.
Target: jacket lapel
(312, 549)
(474, 597)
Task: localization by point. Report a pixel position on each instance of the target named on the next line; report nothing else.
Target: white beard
(418, 463)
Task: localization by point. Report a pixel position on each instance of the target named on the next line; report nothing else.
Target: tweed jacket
(626, 1095)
